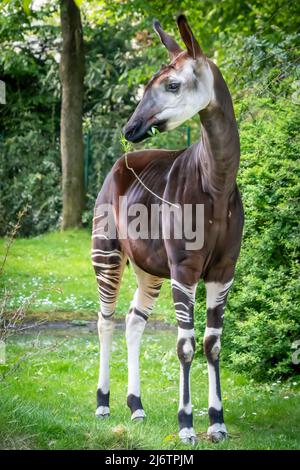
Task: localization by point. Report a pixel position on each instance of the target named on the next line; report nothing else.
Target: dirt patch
(91, 325)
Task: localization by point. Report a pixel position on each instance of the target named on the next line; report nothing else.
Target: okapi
(204, 173)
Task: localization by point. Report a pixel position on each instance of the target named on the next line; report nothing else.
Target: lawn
(49, 401)
(56, 271)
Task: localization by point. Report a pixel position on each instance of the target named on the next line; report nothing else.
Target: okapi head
(177, 91)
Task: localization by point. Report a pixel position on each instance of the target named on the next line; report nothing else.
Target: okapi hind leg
(216, 295)
(147, 291)
(108, 261)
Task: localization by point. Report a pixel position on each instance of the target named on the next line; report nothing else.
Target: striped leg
(216, 294)
(184, 298)
(140, 309)
(108, 263)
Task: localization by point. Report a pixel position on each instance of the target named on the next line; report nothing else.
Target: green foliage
(26, 6)
(263, 317)
(29, 134)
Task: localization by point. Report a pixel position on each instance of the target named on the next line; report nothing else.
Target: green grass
(56, 269)
(49, 401)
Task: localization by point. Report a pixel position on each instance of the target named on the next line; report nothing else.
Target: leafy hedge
(264, 306)
(262, 314)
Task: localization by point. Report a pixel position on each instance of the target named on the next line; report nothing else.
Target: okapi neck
(219, 146)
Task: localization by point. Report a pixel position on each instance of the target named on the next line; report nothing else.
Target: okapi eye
(173, 86)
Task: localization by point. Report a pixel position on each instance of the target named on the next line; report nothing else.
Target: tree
(72, 76)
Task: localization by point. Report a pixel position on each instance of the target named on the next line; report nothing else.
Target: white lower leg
(185, 350)
(105, 330)
(213, 399)
(135, 326)
(216, 294)
(217, 428)
(140, 309)
(214, 402)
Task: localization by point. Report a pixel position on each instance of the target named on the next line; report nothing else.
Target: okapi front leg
(140, 309)
(184, 298)
(216, 294)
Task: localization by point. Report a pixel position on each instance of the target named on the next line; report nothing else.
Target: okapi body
(205, 173)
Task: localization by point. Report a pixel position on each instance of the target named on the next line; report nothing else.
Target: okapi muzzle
(143, 120)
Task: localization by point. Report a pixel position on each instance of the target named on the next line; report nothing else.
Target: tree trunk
(72, 75)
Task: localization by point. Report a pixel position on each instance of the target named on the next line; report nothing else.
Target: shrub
(262, 315)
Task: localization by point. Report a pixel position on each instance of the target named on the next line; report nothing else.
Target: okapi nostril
(129, 134)
(131, 131)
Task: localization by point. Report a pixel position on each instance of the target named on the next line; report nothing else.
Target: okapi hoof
(138, 416)
(188, 436)
(217, 436)
(136, 408)
(217, 432)
(102, 412)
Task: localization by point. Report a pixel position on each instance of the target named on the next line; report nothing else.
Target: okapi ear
(188, 38)
(173, 48)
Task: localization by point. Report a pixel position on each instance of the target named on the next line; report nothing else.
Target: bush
(262, 315)
(30, 177)
(264, 308)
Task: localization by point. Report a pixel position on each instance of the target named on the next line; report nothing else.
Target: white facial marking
(190, 99)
